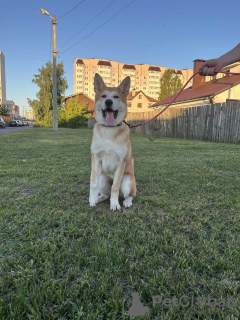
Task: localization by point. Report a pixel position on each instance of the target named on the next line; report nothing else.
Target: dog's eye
(116, 97)
(104, 96)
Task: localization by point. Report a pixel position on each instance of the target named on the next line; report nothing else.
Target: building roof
(151, 68)
(104, 63)
(209, 89)
(79, 61)
(129, 66)
(77, 94)
(131, 96)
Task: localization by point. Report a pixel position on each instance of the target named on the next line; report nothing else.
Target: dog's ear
(125, 86)
(98, 83)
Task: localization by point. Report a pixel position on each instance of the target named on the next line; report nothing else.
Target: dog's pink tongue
(110, 118)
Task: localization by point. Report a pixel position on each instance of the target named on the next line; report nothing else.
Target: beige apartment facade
(144, 77)
(2, 79)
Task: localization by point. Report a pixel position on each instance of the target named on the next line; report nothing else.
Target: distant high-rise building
(144, 77)
(2, 79)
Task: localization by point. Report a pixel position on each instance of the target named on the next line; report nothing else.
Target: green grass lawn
(61, 259)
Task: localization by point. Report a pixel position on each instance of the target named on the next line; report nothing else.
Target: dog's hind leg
(104, 188)
(127, 190)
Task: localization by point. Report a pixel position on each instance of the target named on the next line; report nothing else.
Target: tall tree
(43, 105)
(169, 84)
(4, 111)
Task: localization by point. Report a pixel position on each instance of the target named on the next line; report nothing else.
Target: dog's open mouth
(109, 116)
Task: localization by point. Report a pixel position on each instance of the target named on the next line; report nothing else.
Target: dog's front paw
(127, 203)
(93, 201)
(114, 205)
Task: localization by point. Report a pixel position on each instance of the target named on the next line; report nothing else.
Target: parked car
(19, 123)
(14, 123)
(2, 123)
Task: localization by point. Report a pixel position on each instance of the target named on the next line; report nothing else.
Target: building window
(86, 72)
(129, 105)
(86, 78)
(144, 82)
(145, 77)
(139, 105)
(140, 96)
(113, 80)
(144, 88)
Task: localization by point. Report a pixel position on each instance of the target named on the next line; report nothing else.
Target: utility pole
(55, 117)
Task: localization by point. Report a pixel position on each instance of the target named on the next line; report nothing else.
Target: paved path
(10, 129)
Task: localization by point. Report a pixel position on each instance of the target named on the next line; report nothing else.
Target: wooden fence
(216, 122)
(6, 119)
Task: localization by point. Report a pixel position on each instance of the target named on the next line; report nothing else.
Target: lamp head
(44, 12)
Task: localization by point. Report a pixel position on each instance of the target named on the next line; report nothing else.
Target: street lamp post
(55, 117)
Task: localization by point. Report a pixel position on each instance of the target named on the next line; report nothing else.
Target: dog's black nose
(108, 103)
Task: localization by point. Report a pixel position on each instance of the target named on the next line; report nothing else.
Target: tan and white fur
(112, 174)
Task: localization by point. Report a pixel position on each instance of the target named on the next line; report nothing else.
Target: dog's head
(110, 102)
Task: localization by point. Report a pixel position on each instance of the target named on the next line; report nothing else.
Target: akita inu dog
(112, 173)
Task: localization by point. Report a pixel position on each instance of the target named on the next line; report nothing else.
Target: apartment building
(30, 115)
(2, 79)
(144, 77)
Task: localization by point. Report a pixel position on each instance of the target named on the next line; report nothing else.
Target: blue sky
(167, 33)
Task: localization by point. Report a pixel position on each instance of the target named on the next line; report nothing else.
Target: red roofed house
(137, 101)
(207, 90)
(81, 98)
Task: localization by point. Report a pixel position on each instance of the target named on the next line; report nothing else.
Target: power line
(71, 10)
(88, 23)
(99, 26)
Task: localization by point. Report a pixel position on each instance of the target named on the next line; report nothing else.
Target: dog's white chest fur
(109, 153)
